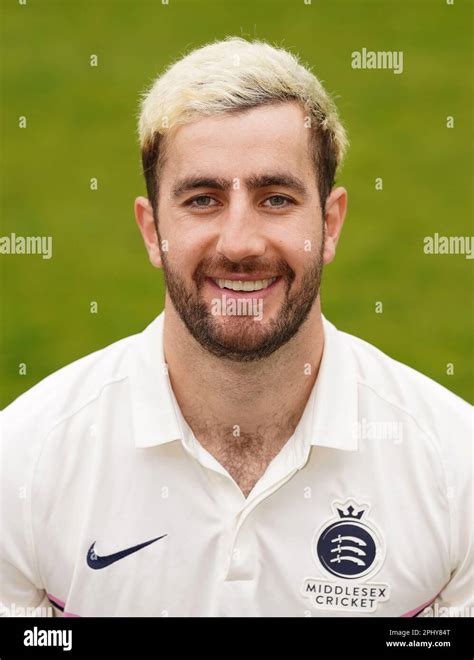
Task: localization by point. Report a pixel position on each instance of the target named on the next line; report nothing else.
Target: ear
(336, 205)
(146, 224)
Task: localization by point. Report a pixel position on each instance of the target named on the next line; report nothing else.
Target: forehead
(235, 143)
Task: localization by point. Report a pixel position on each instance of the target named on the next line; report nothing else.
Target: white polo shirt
(111, 506)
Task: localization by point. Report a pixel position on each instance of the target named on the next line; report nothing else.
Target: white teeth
(240, 285)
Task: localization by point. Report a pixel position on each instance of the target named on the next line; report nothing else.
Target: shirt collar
(331, 413)
(329, 418)
(155, 421)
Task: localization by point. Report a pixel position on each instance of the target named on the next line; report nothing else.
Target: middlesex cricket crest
(349, 549)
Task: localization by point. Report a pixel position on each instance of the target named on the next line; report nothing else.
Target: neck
(271, 392)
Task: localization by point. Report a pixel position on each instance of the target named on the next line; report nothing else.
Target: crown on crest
(351, 512)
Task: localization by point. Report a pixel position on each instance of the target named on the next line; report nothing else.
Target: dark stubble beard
(242, 338)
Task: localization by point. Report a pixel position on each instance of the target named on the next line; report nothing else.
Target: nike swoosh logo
(95, 562)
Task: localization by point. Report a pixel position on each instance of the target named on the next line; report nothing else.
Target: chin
(241, 333)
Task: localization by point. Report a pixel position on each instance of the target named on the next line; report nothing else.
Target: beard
(242, 338)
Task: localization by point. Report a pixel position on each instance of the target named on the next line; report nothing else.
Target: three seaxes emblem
(348, 549)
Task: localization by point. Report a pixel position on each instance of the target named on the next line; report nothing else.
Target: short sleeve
(21, 589)
(456, 599)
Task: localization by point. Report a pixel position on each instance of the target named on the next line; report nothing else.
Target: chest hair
(245, 455)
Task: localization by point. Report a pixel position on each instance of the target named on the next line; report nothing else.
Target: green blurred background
(81, 124)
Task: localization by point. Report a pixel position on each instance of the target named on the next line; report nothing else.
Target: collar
(328, 420)
(331, 413)
(155, 421)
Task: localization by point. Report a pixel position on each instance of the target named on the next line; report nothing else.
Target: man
(220, 462)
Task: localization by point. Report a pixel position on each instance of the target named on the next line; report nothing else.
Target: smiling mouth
(244, 285)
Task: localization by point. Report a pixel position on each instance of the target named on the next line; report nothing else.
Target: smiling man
(238, 228)
(240, 456)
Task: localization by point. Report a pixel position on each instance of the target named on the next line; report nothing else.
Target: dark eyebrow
(252, 183)
(285, 180)
(191, 183)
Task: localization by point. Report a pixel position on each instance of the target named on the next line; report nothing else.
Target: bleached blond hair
(235, 75)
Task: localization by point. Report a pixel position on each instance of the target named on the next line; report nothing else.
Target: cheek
(301, 235)
(189, 241)
(312, 244)
(301, 253)
(184, 256)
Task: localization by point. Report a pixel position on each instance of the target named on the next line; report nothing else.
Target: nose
(240, 232)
